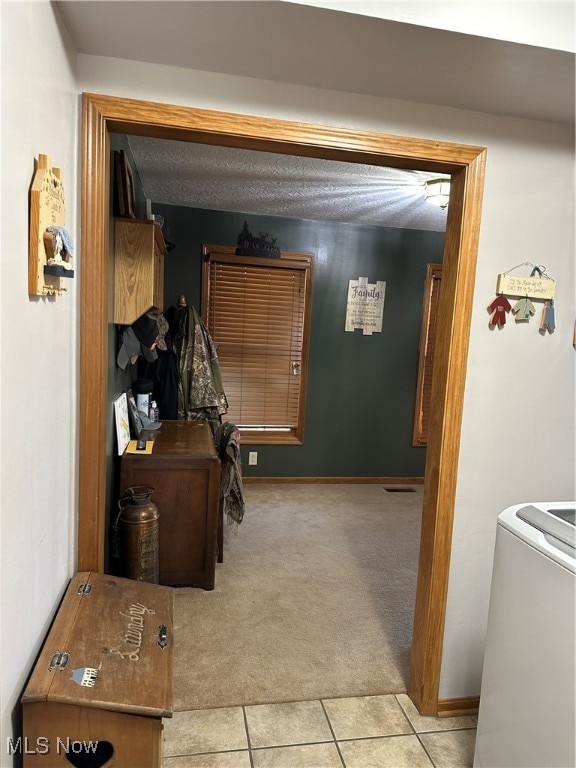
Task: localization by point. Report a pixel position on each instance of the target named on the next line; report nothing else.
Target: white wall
(39, 114)
(517, 438)
(545, 24)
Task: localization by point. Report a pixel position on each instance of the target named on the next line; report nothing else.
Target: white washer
(527, 716)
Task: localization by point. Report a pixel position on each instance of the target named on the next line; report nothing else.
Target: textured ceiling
(314, 47)
(245, 181)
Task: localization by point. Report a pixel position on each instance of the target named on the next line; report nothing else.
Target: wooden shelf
(138, 269)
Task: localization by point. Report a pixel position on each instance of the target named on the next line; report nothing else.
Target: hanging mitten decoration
(523, 310)
(548, 320)
(499, 307)
(538, 287)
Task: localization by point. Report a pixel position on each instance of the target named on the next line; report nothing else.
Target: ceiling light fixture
(438, 192)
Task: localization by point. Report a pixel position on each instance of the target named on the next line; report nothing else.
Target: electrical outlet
(253, 458)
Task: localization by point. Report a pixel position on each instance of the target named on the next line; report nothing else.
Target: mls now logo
(68, 746)
(42, 746)
(26, 746)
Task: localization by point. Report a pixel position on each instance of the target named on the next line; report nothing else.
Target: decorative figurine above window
(248, 244)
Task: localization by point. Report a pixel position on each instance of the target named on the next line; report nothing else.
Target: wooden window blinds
(256, 311)
(427, 349)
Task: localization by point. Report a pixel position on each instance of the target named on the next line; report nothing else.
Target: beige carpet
(315, 599)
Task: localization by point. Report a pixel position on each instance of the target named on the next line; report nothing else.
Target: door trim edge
(465, 163)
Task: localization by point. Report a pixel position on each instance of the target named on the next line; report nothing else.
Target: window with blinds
(256, 310)
(427, 348)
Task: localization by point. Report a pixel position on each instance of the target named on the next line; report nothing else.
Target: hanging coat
(200, 393)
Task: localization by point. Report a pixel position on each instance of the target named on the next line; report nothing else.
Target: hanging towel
(227, 439)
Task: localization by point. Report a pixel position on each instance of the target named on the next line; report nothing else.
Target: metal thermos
(143, 389)
(136, 528)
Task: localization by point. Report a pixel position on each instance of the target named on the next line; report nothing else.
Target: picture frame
(119, 209)
(122, 423)
(124, 186)
(130, 197)
(135, 419)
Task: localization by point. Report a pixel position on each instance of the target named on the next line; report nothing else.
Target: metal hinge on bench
(84, 590)
(58, 661)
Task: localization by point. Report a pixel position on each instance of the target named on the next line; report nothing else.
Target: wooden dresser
(103, 680)
(184, 469)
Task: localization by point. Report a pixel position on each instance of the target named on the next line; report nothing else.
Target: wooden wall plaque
(47, 209)
(532, 287)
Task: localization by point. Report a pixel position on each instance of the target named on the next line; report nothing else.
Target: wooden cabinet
(138, 269)
(184, 470)
(103, 680)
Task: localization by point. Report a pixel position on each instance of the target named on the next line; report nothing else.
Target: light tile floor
(377, 731)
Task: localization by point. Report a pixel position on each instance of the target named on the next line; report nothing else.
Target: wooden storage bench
(103, 680)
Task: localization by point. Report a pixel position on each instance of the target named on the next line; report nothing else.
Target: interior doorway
(465, 164)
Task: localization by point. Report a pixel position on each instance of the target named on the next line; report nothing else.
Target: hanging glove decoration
(548, 320)
(499, 306)
(523, 310)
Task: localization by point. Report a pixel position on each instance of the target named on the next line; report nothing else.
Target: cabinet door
(187, 497)
(138, 269)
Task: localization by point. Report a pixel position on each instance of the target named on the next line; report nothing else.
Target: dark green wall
(361, 389)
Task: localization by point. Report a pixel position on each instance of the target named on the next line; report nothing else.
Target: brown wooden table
(184, 469)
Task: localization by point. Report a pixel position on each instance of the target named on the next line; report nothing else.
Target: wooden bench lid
(111, 630)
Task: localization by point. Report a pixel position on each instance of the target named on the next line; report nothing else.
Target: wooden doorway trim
(104, 114)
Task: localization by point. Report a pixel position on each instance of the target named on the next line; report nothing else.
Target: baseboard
(465, 705)
(342, 480)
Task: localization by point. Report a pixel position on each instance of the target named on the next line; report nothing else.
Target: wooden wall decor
(532, 287)
(49, 260)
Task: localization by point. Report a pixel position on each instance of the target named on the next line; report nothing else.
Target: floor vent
(395, 489)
